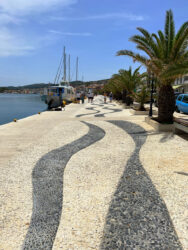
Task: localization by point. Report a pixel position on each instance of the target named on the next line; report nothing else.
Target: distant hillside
(30, 86)
(43, 85)
(76, 83)
(104, 81)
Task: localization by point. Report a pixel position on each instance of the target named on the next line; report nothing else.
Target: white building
(181, 84)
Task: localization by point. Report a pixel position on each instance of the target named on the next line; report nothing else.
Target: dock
(93, 176)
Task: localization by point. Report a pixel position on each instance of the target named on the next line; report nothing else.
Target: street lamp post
(151, 96)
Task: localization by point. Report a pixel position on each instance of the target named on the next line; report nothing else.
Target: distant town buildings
(94, 86)
(24, 91)
(181, 84)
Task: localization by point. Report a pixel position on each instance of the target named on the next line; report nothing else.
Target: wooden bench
(180, 125)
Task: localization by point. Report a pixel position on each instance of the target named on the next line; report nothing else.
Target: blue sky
(33, 33)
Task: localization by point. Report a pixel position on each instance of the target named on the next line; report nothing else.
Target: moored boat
(61, 91)
(55, 95)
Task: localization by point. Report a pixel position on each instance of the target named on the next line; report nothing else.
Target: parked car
(182, 103)
(177, 94)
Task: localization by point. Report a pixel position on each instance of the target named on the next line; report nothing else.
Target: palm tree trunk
(117, 96)
(129, 100)
(124, 94)
(141, 107)
(166, 104)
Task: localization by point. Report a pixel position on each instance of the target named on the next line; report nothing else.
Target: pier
(91, 177)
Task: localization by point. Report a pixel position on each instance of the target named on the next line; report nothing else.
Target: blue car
(182, 103)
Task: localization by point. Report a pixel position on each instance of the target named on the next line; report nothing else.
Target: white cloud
(70, 33)
(11, 45)
(15, 12)
(25, 6)
(127, 16)
(6, 19)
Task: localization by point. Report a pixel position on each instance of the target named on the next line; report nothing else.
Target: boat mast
(59, 71)
(77, 69)
(64, 61)
(69, 68)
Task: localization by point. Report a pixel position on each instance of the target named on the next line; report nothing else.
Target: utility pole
(77, 69)
(151, 95)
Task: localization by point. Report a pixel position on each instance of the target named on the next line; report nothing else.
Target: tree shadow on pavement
(166, 137)
(137, 217)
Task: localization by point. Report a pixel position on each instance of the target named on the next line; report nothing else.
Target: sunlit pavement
(92, 177)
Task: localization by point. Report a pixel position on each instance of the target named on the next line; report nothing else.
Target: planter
(135, 105)
(158, 126)
(126, 107)
(138, 112)
(180, 126)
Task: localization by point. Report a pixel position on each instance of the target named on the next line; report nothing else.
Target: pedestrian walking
(78, 97)
(88, 97)
(105, 96)
(111, 96)
(82, 98)
(92, 97)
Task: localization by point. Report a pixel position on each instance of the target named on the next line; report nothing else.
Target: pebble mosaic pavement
(92, 188)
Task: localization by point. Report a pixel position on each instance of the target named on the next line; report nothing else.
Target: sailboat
(55, 95)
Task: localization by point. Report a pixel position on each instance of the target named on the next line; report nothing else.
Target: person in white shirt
(90, 97)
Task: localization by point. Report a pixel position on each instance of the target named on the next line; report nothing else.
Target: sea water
(18, 106)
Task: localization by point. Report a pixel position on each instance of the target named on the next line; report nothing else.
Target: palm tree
(127, 82)
(114, 88)
(166, 57)
(142, 97)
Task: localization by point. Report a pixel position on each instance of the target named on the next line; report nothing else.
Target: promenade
(92, 177)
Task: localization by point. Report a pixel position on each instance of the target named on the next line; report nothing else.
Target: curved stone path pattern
(47, 179)
(91, 108)
(137, 217)
(92, 177)
(98, 113)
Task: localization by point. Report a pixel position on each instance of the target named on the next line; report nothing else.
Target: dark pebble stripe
(92, 108)
(47, 178)
(98, 113)
(138, 217)
(113, 111)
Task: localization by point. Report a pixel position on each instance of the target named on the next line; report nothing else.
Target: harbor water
(18, 106)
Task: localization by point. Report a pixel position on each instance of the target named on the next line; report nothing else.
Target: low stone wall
(180, 129)
(158, 126)
(138, 112)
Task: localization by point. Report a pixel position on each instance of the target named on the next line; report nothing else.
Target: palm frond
(160, 46)
(181, 31)
(163, 42)
(146, 41)
(175, 70)
(180, 45)
(167, 31)
(171, 32)
(166, 52)
(136, 57)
